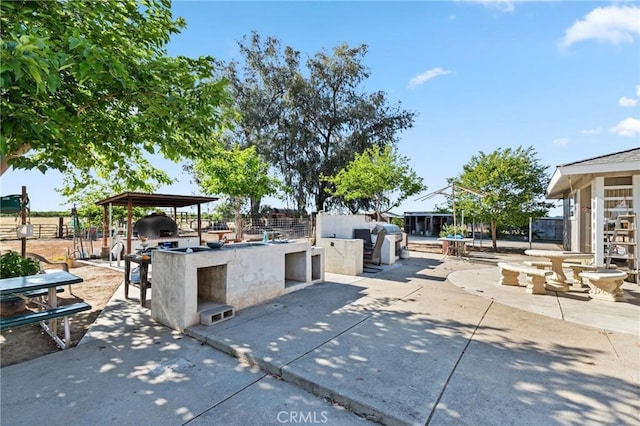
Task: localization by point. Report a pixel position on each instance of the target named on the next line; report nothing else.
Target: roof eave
(560, 183)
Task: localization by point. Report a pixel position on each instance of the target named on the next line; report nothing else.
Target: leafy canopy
(309, 119)
(513, 184)
(88, 89)
(378, 174)
(235, 172)
(238, 173)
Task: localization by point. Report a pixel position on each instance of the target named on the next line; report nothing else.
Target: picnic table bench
(536, 277)
(32, 294)
(33, 286)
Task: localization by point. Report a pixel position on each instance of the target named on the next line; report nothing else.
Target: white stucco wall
(253, 275)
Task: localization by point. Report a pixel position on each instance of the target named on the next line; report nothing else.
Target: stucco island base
(215, 283)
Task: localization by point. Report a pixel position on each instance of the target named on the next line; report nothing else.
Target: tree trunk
(320, 202)
(255, 207)
(238, 218)
(4, 164)
(494, 231)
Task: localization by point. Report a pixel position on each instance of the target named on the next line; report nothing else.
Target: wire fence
(253, 228)
(40, 231)
(287, 228)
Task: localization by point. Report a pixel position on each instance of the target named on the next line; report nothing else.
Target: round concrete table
(558, 281)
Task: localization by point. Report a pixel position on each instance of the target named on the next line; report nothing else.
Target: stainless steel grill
(391, 229)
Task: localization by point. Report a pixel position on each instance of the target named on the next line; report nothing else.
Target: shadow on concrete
(411, 359)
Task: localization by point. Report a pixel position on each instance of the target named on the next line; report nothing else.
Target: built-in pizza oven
(155, 226)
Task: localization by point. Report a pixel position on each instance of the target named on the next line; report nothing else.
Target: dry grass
(12, 221)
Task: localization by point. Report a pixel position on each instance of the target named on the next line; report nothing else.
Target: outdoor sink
(242, 245)
(193, 249)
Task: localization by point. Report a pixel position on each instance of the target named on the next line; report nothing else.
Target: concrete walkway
(404, 346)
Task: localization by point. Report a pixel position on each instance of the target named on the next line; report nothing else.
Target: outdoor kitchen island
(201, 285)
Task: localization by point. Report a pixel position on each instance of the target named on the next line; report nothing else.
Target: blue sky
(561, 76)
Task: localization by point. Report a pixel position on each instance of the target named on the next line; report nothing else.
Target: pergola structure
(141, 199)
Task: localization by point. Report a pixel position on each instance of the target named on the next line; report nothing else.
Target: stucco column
(597, 218)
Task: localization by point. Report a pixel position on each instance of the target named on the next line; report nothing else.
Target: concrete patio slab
(119, 316)
(523, 368)
(275, 402)
(150, 375)
(298, 323)
(574, 306)
(388, 366)
(431, 341)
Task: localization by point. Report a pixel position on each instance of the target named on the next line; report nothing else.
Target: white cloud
(426, 76)
(627, 102)
(613, 24)
(591, 132)
(501, 5)
(561, 141)
(627, 127)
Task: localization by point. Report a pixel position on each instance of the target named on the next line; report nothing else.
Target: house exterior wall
(592, 208)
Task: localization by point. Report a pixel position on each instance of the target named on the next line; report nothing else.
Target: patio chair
(373, 255)
(43, 261)
(364, 235)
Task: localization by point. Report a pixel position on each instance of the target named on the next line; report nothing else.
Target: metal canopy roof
(141, 199)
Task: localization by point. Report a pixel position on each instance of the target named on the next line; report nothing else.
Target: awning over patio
(141, 199)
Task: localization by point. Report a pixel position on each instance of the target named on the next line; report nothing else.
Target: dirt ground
(30, 341)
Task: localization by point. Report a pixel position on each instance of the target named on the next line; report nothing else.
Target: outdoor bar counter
(190, 282)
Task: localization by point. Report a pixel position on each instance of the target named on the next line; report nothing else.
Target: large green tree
(380, 175)
(237, 173)
(512, 183)
(330, 119)
(309, 120)
(89, 89)
(259, 86)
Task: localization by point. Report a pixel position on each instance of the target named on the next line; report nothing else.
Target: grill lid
(389, 227)
(155, 226)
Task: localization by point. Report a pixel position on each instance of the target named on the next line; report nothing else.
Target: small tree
(238, 173)
(513, 185)
(378, 175)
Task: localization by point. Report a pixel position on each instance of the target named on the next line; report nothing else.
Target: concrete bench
(576, 268)
(536, 277)
(540, 264)
(605, 284)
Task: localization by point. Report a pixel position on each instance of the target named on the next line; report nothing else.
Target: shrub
(450, 230)
(14, 265)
